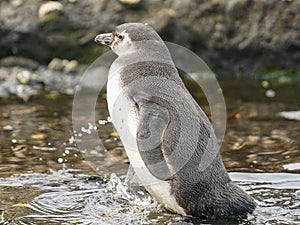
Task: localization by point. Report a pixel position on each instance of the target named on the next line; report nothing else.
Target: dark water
(44, 179)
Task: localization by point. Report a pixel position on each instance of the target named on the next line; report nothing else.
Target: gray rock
(12, 61)
(24, 76)
(25, 92)
(4, 93)
(25, 83)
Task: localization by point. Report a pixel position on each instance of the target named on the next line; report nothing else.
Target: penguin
(164, 131)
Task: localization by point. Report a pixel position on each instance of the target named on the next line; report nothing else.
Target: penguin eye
(120, 36)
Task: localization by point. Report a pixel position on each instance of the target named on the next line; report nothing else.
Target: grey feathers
(138, 31)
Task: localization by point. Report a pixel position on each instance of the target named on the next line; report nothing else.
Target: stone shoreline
(237, 35)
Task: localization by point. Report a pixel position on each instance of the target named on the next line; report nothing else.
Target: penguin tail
(228, 201)
(239, 202)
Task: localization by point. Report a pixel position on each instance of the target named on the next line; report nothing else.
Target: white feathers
(125, 119)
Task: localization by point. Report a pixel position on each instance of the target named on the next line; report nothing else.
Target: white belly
(125, 120)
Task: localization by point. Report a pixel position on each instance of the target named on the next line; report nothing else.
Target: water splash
(79, 200)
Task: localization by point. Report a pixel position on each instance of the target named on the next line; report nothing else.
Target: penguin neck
(153, 51)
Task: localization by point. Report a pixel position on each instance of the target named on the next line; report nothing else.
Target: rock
(50, 11)
(58, 64)
(12, 61)
(290, 115)
(25, 83)
(162, 18)
(24, 76)
(270, 93)
(63, 65)
(237, 5)
(265, 84)
(233, 34)
(130, 2)
(17, 3)
(8, 128)
(4, 93)
(252, 139)
(58, 80)
(71, 66)
(24, 92)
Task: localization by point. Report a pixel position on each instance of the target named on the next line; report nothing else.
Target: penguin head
(126, 37)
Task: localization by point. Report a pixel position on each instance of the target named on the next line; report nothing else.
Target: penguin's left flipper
(153, 121)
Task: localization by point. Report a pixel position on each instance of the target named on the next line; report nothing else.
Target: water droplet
(60, 160)
(72, 139)
(102, 122)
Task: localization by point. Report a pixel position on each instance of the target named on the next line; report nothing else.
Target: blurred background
(236, 35)
(45, 46)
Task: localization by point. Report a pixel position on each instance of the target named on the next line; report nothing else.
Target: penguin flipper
(153, 121)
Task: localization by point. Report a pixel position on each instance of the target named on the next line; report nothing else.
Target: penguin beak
(104, 39)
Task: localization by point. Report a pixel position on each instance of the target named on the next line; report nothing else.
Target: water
(45, 180)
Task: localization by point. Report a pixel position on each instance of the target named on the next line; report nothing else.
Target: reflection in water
(55, 184)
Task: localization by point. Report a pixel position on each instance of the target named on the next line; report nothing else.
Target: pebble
(290, 115)
(57, 64)
(17, 3)
(130, 2)
(60, 76)
(71, 66)
(105, 214)
(265, 84)
(4, 93)
(270, 93)
(63, 65)
(25, 92)
(253, 139)
(50, 10)
(24, 76)
(8, 128)
(38, 136)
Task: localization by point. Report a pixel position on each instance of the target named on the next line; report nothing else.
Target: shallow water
(44, 179)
